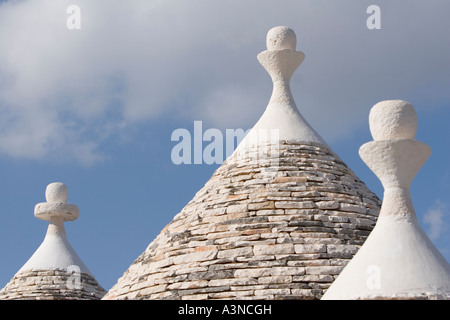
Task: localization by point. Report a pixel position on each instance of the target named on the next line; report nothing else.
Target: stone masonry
(52, 285)
(259, 230)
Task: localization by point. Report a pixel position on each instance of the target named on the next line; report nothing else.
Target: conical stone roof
(278, 220)
(54, 271)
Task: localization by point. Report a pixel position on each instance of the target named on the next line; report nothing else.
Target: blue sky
(95, 107)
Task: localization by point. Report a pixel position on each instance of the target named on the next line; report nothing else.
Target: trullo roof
(278, 220)
(54, 271)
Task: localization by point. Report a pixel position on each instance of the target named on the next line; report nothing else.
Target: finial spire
(281, 58)
(281, 120)
(398, 260)
(56, 206)
(55, 252)
(394, 156)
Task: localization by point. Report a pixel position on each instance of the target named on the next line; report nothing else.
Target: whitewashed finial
(56, 206)
(281, 120)
(397, 260)
(55, 252)
(394, 156)
(281, 58)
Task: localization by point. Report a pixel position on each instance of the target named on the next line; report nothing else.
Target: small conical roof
(278, 220)
(54, 271)
(398, 260)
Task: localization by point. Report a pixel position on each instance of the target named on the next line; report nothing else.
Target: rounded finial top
(56, 192)
(280, 38)
(393, 119)
(56, 206)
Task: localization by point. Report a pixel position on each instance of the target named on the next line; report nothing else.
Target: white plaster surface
(393, 119)
(56, 192)
(281, 119)
(398, 258)
(281, 37)
(55, 252)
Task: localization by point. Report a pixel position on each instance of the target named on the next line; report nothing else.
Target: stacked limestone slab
(278, 220)
(54, 271)
(246, 236)
(52, 285)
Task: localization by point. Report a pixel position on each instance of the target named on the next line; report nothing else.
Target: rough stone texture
(52, 285)
(277, 224)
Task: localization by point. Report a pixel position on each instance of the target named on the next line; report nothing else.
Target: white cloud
(435, 221)
(63, 92)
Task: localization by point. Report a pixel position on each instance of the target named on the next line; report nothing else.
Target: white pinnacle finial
(397, 259)
(394, 156)
(281, 59)
(56, 206)
(55, 252)
(281, 120)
